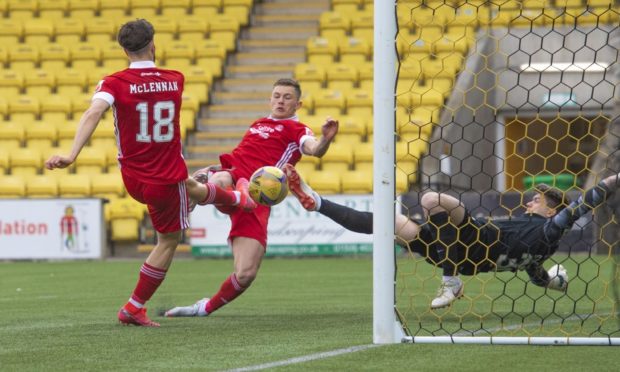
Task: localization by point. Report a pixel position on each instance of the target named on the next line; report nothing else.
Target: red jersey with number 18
(146, 102)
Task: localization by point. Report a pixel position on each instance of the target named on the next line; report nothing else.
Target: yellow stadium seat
(69, 31)
(55, 108)
(103, 135)
(328, 102)
(225, 29)
(11, 30)
(40, 83)
(85, 56)
(12, 187)
(74, 186)
(365, 167)
(100, 30)
(206, 8)
(24, 107)
(40, 135)
(166, 30)
(80, 103)
(125, 216)
(354, 50)
(362, 27)
(342, 77)
(94, 76)
(38, 31)
(26, 161)
(12, 134)
(193, 29)
(11, 83)
(339, 168)
(23, 57)
(66, 132)
(357, 182)
(83, 9)
(70, 82)
(22, 9)
(305, 168)
(114, 9)
(92, 160)
(346, 6)
(240, 12)
(360, 102)
(144, 8)
(310, 76)
(321, 50)
(114, 57)
(53, 9)
(197, 82)
(210, 55)
(175, 8)
(41, 186)
(54, 57)
(352, 124)
(179, 53)
(325, 182)
(339, 153)
(363, 152)
(107, 185)
(334, 25)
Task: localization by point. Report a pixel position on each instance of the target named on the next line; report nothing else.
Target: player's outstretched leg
(449, 291)
(138, 318)
(197, 309)
(296, 185)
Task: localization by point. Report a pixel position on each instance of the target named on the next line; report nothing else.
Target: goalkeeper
(452, 239)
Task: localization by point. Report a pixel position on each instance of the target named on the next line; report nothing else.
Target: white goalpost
(386, 329)
(487, 111)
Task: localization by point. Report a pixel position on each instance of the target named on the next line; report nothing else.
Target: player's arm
(590, 200)
(319, 147)
(88, 124)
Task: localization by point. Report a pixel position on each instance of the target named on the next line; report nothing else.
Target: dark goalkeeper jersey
(525, 242)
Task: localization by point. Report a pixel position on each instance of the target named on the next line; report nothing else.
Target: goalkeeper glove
(558, 278)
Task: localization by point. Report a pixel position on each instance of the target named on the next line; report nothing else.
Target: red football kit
(270, 142)
(146, 103)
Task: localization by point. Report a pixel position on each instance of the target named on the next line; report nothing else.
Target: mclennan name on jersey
(154, 86)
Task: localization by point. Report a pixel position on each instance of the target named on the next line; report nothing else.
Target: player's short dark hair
(555, 198)
(136, 35)
(289, 83)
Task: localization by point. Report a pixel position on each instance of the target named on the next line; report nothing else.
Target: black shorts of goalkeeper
(471, 246)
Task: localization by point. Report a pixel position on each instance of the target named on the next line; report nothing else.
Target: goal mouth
(491, 99)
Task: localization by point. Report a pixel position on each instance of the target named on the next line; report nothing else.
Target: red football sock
(229, 290)
(148, 282)
(218, 195)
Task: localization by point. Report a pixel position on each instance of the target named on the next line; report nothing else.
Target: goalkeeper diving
(450, 238)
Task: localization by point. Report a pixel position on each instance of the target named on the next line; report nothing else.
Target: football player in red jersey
(275, 140)
(146, 102)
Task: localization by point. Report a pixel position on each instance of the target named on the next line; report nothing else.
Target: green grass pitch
(61, 316)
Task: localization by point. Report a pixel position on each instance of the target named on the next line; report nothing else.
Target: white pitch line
(307, 358)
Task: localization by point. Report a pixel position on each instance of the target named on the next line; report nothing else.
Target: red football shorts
(250, 224)
(167, 204)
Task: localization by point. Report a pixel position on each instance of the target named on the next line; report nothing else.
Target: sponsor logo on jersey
(154, 87)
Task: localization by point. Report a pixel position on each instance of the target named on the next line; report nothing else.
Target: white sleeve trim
(104, 96)
(301, 143)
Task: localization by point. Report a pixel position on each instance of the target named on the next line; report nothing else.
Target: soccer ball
(268, 186)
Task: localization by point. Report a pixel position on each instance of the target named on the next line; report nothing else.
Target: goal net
(491, 99)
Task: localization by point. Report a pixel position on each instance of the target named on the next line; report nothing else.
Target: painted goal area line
(307, 358)
(353, 349)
